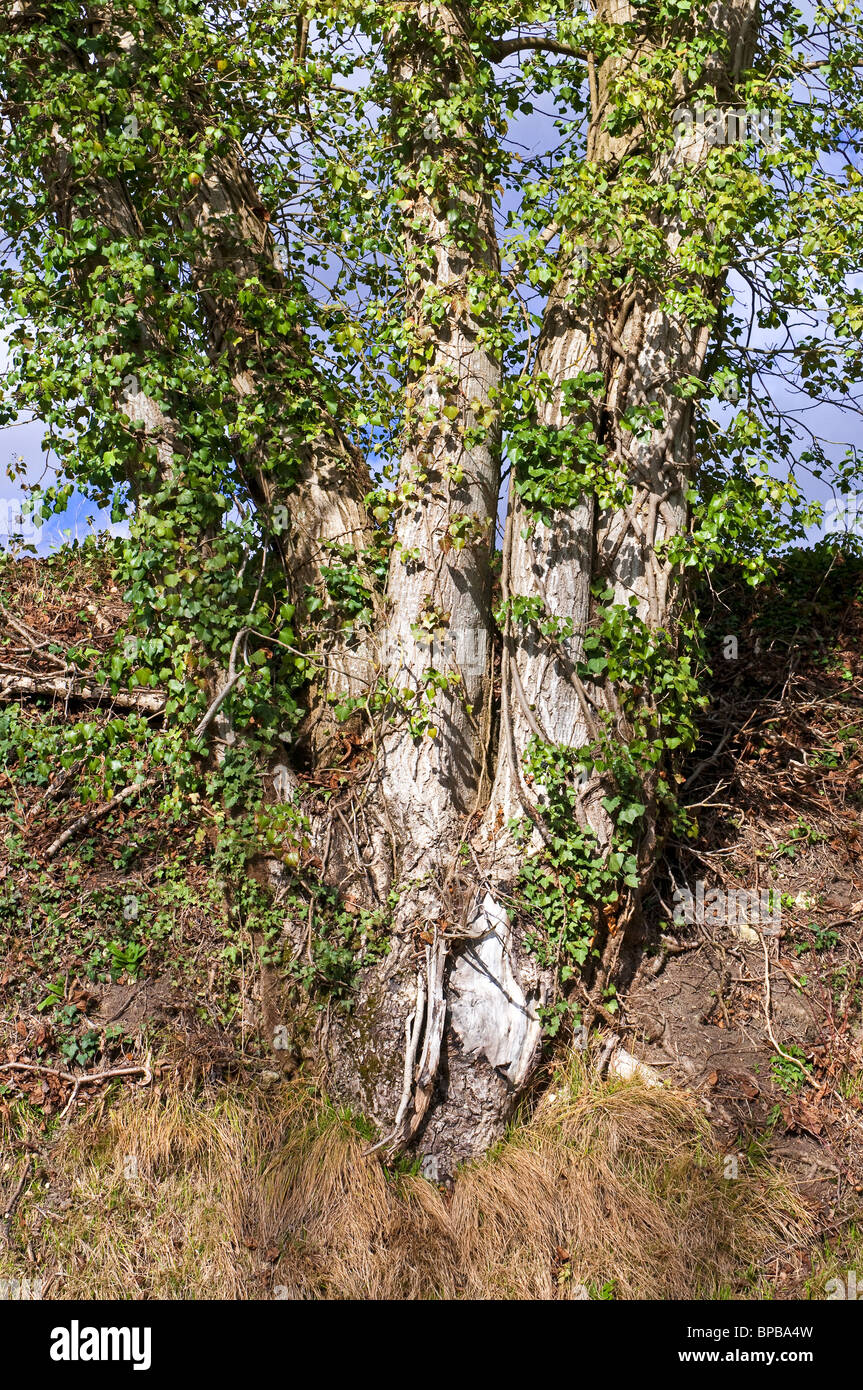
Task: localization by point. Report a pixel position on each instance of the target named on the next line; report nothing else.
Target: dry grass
(626, 1182)
(243, 1194)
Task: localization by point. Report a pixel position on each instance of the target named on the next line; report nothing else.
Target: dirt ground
(762, 1022)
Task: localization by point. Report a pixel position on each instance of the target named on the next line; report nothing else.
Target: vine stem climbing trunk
(485, 1040)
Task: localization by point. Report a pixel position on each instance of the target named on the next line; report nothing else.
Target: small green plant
(555, 1016)
(126, 956)
(83, 1050)
(55, 996)
(604, 1293)
(799, 836)
(790, 1075)
(823, 939)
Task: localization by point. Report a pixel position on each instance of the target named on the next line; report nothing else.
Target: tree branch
(70, 688)
(538, 43)
(97, 812)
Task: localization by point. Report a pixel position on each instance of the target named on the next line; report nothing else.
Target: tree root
(419, 1077)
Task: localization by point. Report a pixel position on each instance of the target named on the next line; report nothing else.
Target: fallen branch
(35, 640)
(43, 1071)
(69, 688)
(88, 1079)
(712, 757)
(232, 677)
(97, 812)
(135, 788)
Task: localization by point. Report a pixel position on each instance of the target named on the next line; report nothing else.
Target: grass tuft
(612, 1189)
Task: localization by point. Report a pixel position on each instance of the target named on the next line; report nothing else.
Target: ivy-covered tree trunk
(588, 584)
(436, 642)
(610, 550)
(461, 740)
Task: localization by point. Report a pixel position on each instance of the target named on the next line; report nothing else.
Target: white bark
(490, 1013)
(439, 595)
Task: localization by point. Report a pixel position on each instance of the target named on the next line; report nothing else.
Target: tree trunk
(485, 1030)
(445, 1034)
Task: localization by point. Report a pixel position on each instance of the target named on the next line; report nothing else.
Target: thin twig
(12, 1204)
